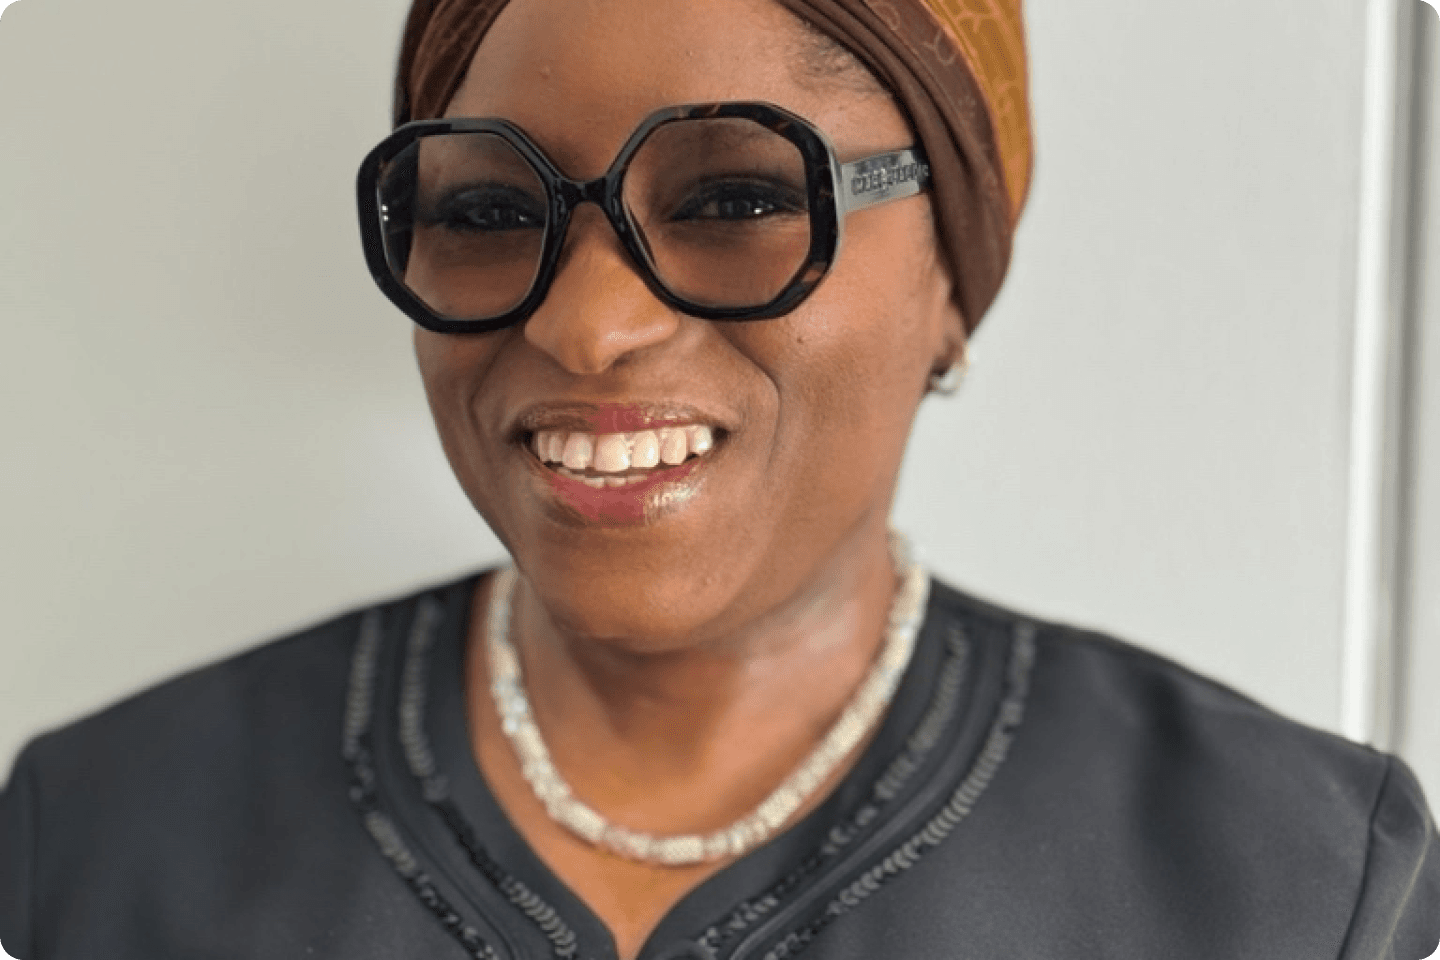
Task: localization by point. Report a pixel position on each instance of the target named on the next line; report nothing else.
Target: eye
(741, 200)
(489, 208)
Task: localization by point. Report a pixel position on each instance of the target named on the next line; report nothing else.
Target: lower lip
(631, 504)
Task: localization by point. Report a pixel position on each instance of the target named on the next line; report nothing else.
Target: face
(809, 412)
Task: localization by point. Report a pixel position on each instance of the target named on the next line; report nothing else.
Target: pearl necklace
(859, 717)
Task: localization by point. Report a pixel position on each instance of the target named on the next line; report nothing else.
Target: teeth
(646, 451)
(598, 482)
(612, 453)
(701, 439)
(578, 451)
(674, 445)
(616, 453)
(549, 446)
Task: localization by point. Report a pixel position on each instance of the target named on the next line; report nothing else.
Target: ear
(950, 332)
(955, 342)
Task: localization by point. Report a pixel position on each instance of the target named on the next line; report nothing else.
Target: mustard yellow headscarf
(958, 67)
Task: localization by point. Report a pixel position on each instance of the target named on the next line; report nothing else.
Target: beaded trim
(940, 826)
(357, 749)
(864, 710)
(944, 703)
(436, 788)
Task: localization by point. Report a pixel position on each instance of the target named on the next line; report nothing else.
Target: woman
(715, 710)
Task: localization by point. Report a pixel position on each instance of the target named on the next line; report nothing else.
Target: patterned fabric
(990, 34)
(957, 67)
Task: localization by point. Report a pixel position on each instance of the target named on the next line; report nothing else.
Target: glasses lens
(722, 209)
(464, 222)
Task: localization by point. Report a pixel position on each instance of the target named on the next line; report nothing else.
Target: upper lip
(600, 418)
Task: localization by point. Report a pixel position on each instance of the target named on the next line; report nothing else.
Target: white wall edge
(1366, 628)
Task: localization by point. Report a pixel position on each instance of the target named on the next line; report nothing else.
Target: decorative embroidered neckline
(358, 751)
(755, 922)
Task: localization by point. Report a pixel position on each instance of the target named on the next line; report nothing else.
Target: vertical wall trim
(1369, 645)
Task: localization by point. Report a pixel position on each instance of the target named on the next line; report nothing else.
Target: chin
(642, 586)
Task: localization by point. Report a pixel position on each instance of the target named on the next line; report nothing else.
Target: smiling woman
(676, 306)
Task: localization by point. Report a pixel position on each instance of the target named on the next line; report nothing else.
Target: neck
(694, 736)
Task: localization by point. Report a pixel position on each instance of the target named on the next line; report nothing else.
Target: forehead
(579, 75)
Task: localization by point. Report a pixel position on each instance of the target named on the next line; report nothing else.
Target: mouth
(614, 460)
(617, 464)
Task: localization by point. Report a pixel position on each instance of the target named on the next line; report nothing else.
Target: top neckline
(434, 816)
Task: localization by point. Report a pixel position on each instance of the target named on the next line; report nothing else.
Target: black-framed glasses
(730, 211)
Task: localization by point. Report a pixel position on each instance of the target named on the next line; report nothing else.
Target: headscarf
(957, 67)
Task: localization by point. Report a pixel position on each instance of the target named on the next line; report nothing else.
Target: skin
(680, 668)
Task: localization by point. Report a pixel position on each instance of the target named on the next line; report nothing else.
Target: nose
(598, 309)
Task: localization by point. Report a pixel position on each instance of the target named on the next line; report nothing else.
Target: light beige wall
(1420, 707)
(215, 432)
(212, 423)
(1156, 439)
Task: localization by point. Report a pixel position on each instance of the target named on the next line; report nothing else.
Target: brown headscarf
(958, 68)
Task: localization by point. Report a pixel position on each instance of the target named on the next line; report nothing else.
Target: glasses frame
(833, 189)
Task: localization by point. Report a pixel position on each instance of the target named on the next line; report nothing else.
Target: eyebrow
(818, 59)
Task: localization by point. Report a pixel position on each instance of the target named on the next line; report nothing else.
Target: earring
(947, 383)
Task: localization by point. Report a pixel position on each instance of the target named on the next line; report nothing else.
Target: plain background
(214, 433)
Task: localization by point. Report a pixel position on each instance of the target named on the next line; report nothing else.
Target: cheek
(440, 372)
(453, 370)
(866, 339)
(848, 370)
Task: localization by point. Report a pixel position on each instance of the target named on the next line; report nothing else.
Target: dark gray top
(1035, 792)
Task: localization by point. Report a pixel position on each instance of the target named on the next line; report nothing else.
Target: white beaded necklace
(860, 715)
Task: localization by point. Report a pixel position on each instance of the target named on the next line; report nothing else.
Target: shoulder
(1200, 801)
(254, 717)
(196, 714)
(1132, 699)
(207, 783)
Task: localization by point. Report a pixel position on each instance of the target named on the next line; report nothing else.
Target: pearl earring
(947, 383)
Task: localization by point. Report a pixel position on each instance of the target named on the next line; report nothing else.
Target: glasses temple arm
(882, 177)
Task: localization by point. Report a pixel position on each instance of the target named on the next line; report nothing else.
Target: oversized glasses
(729, 211)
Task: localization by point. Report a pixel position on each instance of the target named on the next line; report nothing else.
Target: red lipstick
(633, 503)
(626, 418)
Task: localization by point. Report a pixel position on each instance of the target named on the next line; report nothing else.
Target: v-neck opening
(445, 721)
